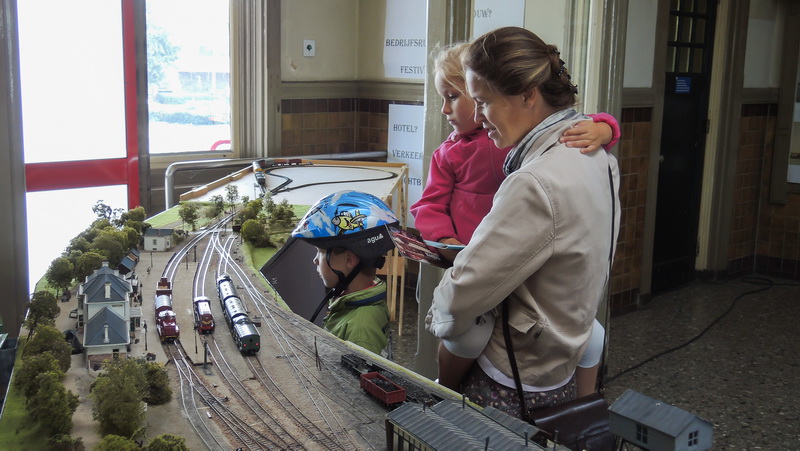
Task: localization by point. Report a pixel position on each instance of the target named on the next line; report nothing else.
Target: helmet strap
(344, 281)
(340, 287)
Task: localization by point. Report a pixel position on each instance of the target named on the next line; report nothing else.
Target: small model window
(641, 433)
(694, 438)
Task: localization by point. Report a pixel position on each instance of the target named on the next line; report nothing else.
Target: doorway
(684, 125)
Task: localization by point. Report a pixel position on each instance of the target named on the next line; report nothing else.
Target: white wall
(640, 44)
(548, 20)
(762, 55)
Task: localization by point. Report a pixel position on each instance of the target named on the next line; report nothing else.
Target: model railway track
(266, 417)
(257, 412)
(238, 428)
(188, 400)
(331, 439)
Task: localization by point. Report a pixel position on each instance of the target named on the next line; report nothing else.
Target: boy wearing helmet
(347, 228)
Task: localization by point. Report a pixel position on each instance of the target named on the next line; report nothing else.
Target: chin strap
(340, 287)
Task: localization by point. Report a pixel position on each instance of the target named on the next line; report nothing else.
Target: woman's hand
(587, 136)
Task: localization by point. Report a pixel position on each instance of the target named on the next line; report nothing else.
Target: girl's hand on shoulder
(587, 135)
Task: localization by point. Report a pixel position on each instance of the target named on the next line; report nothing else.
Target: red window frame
(117, 171)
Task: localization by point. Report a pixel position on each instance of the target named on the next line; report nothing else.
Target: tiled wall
(320, 126)
(777, 237)
(756, 135)
(632, 155)
(765, 236)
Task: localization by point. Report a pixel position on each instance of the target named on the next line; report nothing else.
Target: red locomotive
(203, 319)
(166, 322)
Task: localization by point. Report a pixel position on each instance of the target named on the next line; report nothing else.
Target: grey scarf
(520, 151)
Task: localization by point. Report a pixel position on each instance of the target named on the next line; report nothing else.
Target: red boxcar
(203, 318)
(382, 388)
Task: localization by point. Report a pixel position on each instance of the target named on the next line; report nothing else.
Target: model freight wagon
(382, 388)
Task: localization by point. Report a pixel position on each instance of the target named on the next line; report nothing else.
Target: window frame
(102, 172)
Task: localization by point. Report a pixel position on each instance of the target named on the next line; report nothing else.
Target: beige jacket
(545, 244)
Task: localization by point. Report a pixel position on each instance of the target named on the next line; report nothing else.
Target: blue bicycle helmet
(352, 220)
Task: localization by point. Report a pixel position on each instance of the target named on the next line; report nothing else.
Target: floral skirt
(484, 391)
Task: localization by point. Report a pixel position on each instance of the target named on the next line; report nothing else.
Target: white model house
(157, 239)
(655, 425)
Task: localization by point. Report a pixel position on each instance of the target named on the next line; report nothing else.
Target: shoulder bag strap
(513, 361)
(603, 369)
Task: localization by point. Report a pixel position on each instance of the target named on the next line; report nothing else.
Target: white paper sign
(491, 14)
(405, 145)
(405, 48)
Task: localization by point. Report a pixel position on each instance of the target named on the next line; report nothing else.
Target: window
(641, 433)
(80, 146)
(694, 438)
(188, 75)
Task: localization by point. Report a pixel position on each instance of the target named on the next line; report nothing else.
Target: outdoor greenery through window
(188, 73)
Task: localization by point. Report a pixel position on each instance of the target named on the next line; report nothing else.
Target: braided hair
(514, 61)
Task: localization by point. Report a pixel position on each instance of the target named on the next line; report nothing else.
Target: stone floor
(727, 351)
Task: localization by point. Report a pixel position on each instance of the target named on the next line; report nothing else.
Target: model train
(166, 321)
(258, 171)
(203, 319)
(243, 330)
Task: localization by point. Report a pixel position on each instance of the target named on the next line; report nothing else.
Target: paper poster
(405, 144)
(491, 14)
(405, 47)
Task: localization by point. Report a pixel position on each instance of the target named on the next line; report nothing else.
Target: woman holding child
(545, 243)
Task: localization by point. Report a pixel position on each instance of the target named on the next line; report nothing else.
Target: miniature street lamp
(144, 326)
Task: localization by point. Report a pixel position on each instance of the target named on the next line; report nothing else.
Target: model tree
(43, 309)
(188, 214)
(52, 405)
(86, 264)
(117, 394)
(232, 195)
(48, 339)
(158, 390)
(168, 442)
(29, 367)
(59, 275)
(112, 442)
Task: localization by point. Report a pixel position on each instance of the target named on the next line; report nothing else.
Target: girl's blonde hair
(448, 65)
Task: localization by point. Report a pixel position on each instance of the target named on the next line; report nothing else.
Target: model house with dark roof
(652, 424)
(157, 239)
(104, 309)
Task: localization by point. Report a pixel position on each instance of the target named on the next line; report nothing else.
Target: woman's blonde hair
(448, 65)
(514, 60)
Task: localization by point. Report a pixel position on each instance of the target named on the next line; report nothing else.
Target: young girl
(465, 172)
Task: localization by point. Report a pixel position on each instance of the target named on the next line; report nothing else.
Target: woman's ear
(529, 98)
